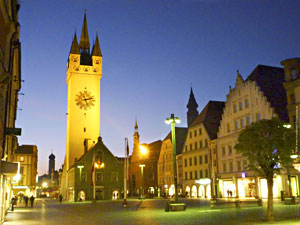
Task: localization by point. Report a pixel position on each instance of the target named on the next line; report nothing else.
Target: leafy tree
(268, 145)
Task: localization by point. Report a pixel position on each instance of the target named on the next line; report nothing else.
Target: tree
(268, 145)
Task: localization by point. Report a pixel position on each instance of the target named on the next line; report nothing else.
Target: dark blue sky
(153, 51)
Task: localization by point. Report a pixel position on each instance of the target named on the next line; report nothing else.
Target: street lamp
(143, 151)
(142, 174)
(80, 167)
(172, 120)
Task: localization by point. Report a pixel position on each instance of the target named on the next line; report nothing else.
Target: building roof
(270, 81)
(26, 149)
(211, 116)
(180, 133)
(75, 47)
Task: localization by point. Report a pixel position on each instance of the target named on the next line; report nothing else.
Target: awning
(9, 168)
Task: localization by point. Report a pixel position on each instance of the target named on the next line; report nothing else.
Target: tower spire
(75, 48)
(84, 39)
(96, 48)
(192, 106)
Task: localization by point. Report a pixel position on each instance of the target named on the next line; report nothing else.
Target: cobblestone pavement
(48, 212)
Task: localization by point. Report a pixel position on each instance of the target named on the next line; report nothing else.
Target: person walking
(26, 200)
(60, 198)
(31, 201)
(13, 202)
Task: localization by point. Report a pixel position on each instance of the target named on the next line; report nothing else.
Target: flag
(127, 149)
(93, 171)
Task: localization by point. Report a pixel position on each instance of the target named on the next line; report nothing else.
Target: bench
(175, 207)
(291, 201)
(237, 203)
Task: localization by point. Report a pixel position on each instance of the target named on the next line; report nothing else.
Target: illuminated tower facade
(84, 71)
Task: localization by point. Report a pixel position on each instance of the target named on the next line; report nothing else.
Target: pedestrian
(31, 201)
(26, 200)
(12, 202)
(117, 195)
(60, 198)
(228, 193)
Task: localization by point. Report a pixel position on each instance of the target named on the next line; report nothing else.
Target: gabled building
(165, 168)
(260, 96)
(199, 152)
(143, 167)
(98, 174)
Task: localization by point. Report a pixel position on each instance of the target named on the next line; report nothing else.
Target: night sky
(153, 52)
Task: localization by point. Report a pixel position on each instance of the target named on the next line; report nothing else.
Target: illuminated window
(22, 158)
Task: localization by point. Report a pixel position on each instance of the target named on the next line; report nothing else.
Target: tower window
(292, 98)
(84, 129)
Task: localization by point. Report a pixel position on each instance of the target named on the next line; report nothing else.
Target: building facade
(84, 71)
(98, 175)
(165, 167)
(260, 96)
(143, 167)
(10, 84)
(27, 157)
(199, 154)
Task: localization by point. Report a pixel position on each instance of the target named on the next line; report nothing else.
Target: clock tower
(84, 71)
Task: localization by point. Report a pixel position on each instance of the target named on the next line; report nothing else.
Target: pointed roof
(84, 39)
(96, 48)
(211, 116)
(192, 104)
(75, 47)
(270, 80)
(239, 78)
(180, 134)
(136, 125)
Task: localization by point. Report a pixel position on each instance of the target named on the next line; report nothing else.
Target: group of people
(14, 201)
(229, 193)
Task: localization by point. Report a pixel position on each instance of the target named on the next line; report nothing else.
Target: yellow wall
(82, 123)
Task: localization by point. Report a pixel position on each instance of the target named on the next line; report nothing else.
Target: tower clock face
(85, 100)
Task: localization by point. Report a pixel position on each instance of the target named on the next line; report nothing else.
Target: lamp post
(80, 167)
(142, 174)
(172, 120)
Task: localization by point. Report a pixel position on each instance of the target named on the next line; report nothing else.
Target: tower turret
(75, 47)
(192, 106)
(96, 48)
